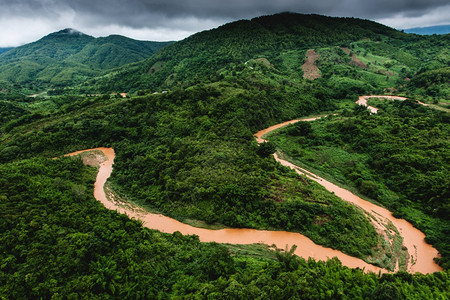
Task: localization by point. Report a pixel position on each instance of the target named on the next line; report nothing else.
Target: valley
(354, 205)
(419, 254)
(226, 236)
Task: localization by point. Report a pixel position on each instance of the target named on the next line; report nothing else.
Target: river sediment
(422, 254)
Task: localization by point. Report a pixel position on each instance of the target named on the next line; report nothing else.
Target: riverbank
(280, 239)
(381, 218)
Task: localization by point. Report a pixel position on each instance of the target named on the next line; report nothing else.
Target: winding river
(363, 101)
(421, 252)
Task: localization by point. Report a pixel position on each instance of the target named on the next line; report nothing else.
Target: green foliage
(202, 57)
(69, 57)
(381, 58)
(398, 157)
(10, 111)
(191, 154)
(432, 84)
(300, 129)
(56, 242)
(3, 50)
(266, 149)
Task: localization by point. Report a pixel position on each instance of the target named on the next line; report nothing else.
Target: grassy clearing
(258, 251)
(391, 254)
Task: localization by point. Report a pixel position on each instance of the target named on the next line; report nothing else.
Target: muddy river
(421, 252)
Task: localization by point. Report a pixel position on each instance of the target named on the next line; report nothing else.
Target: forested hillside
(68, 57)
(58, 241)
(5, 49)
(398, 157)
(282, 41)
(184, 144)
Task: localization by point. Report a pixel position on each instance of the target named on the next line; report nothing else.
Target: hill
(184, 147)
(205, 54)
(440, 29)
(69, 56)
(2, 50)
(377, 56)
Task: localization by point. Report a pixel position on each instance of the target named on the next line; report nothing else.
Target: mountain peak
(67, 34)
(69, 31)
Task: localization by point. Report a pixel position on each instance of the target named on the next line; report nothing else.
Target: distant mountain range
(116, 63)
(70, 56)
(441, 29)
(2, 50)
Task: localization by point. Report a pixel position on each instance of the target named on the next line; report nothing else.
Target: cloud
(26, 23)
(404, 20)
(27, 20)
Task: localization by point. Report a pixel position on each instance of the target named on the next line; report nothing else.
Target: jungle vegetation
(183, 137)
(398, 157)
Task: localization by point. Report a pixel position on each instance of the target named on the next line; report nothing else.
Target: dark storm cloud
(135, 12)
(240, 8)
(247, 8)
(188, 16)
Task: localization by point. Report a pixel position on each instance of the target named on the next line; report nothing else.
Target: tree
(300, 129)
(266, 149)
(287, 258)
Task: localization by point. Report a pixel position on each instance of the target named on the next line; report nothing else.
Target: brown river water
(363, 101)
(421, 252)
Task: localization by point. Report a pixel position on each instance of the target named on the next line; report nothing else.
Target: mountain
(281, 40)
(440, 29)
(185, 147)
(3, 50)
(69, 56)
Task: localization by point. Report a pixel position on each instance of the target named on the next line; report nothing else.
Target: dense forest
(398, 157)
(183, 137)
(68, 57)
(58, 242)
(191, 165)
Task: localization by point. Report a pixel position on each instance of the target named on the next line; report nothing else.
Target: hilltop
(68, 57)
(355, 54)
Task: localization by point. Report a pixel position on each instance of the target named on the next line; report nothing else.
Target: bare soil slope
(310, 70)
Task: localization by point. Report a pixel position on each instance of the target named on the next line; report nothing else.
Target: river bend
(419, 250)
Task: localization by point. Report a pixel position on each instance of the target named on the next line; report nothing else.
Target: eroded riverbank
(422, 254)
(306, 248)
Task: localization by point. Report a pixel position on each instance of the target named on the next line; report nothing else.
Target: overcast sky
(24, 21)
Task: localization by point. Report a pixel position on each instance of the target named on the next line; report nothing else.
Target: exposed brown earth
(355, 61)
(346, 50)
(310, 70)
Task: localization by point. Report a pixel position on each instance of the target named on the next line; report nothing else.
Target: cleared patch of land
(355, 61)
(310, 70)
